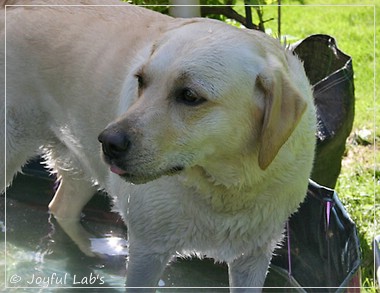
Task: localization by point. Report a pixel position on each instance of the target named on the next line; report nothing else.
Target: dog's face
(200, 99)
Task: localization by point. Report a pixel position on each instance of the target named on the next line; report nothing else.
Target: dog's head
(207, 96)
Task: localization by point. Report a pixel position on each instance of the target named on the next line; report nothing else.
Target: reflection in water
(109, 246)
(50, 260)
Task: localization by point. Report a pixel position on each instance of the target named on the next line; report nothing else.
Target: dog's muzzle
(116, 146)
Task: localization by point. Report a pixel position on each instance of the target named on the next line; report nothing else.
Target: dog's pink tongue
(117, 170)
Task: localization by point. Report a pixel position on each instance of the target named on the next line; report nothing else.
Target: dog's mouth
(140, 178)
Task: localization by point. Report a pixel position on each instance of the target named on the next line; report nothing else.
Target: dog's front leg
(247, 273)
(66, 207)
(144, 267)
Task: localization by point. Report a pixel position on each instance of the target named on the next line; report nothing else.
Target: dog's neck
(225, 188)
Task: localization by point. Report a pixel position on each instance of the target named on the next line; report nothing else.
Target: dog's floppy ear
(284, 106)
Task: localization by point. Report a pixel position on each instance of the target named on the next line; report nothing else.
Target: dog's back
(56, 60)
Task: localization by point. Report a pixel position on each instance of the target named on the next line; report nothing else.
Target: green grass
(353, 27)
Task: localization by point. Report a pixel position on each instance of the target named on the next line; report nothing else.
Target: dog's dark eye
(140, 80)
(188, 97)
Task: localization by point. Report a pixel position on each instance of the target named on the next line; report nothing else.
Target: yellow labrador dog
(207, 130)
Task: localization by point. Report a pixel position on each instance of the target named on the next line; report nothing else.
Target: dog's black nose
(115, 142)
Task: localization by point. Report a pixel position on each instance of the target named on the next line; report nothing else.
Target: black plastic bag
(331, 73)
(324, 246)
